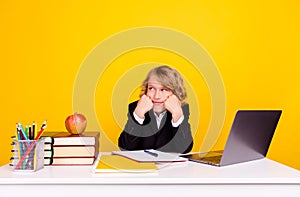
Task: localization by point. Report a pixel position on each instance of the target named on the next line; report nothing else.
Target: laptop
(249, 139)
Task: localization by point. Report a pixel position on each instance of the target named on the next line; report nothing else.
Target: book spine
(48, 151)
(48, 161)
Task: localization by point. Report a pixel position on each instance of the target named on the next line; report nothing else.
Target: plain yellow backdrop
(255, 45)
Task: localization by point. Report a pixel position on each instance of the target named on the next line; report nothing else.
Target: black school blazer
(147, 136)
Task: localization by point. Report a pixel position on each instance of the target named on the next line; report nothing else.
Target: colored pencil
(31, 145)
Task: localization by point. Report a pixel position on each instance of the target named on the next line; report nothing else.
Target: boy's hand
(143, 106)
(173, 105)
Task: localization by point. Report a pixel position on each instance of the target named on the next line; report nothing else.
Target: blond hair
(168, 77)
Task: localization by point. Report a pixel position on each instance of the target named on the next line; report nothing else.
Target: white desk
(257, 178)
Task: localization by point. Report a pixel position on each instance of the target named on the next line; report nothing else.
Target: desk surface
(262, 171)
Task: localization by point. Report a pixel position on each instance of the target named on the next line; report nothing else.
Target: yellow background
(255, 45)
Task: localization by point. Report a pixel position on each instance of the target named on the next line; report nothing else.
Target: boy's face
(158, 93)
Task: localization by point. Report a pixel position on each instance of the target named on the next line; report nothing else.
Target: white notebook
(150, 156)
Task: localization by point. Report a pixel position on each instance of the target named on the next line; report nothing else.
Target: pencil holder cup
(28, 155)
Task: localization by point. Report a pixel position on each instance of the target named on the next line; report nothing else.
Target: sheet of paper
(146, 156)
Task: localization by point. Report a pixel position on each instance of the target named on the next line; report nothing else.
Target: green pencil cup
(28, 155)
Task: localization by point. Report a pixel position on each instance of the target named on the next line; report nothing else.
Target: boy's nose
(157, 94)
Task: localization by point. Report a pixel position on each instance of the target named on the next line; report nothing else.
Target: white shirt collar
(159, 117)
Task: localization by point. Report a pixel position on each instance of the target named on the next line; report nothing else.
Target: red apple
(75, 123)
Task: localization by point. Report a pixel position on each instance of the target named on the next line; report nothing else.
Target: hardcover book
(70, 161)
(75, 151)
(65, 138)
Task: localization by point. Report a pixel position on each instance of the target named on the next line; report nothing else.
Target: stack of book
(63, 148)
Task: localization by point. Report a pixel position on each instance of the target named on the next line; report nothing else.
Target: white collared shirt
(159, 119)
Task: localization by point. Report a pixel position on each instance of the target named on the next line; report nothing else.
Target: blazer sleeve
(131, 136)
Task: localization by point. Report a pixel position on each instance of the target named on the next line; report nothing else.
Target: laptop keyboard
(212, 157)
(215, 159)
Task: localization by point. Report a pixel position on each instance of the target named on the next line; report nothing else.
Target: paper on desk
(141, 156)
